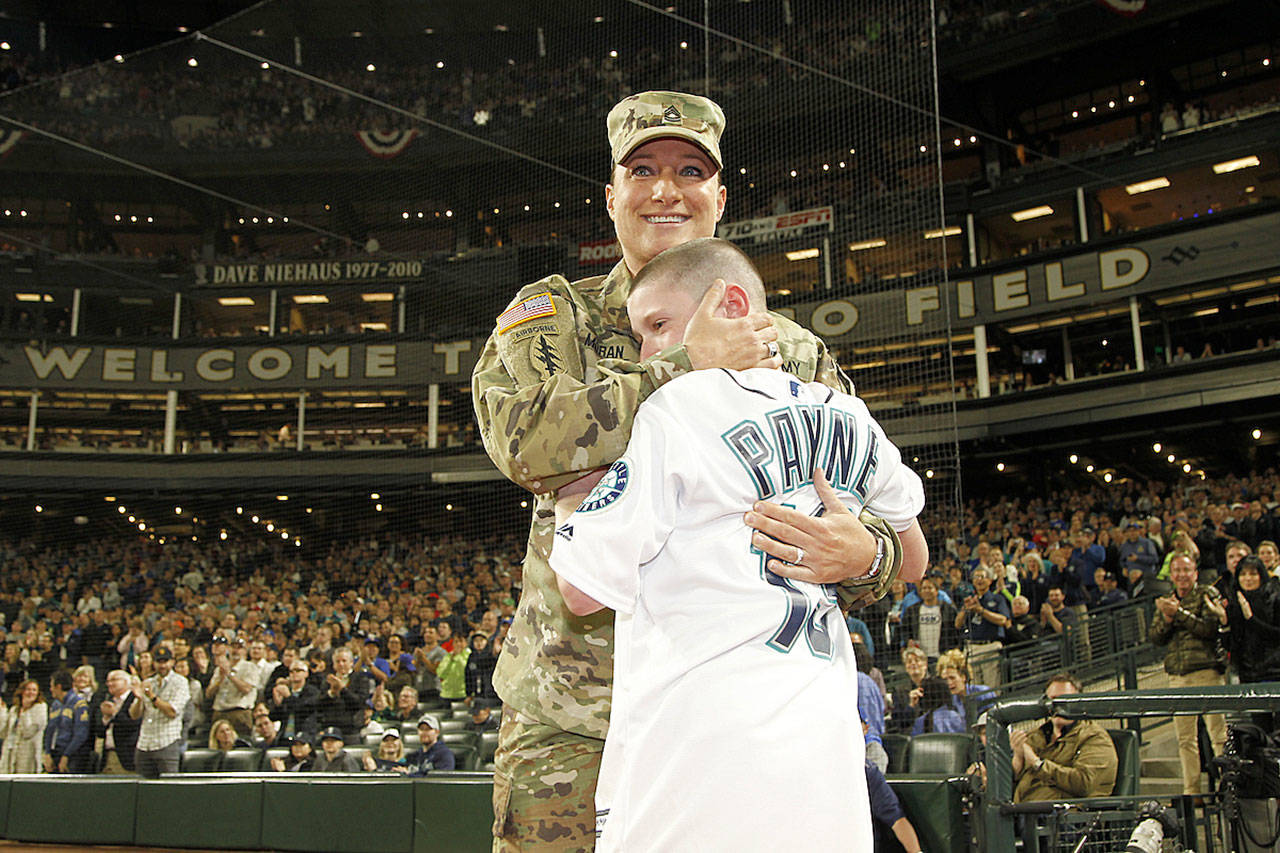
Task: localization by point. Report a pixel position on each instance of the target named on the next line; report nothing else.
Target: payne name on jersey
(781, 451)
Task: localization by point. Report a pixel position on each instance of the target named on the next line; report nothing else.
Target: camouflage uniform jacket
(555, 395)
(1192, 634)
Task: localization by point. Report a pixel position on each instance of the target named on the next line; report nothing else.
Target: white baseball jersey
(735, 721)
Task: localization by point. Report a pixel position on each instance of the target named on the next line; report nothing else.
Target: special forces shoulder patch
(609, 489)
(530, 309)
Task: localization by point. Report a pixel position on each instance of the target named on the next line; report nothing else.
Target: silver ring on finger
(771, 348)
(799, 556)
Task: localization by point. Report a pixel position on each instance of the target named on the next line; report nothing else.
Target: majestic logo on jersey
(545, 354)
(609, 489)
(566, 531)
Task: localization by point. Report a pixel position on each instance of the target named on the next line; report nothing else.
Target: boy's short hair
(694, 266)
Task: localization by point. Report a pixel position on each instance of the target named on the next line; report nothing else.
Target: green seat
(241, 761)
(281, 752)
(458, 725)
(939, 754)
(464, 755)
(488, 745)
(1128, 761)
(202, 760)
(896, 745)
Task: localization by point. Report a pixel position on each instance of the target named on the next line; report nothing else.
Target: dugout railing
(1207, 823)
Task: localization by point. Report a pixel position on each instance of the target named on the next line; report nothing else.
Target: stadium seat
(281, 752)
(241, 761)
(359, 752)
(1128, 762)
(372, 740)
(411, 741)
(463, 738)
(488, 745)
(939, 754)
(458, 725)
(200, 760)
(894, 744)
(460, 709)
(464, 755)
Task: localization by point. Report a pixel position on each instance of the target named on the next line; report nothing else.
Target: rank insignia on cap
(671, 115)
(530, 309)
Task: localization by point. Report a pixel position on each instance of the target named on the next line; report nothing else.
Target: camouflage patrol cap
(637, 119)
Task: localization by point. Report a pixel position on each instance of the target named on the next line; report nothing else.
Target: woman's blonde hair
(953, 659)
(217, 727)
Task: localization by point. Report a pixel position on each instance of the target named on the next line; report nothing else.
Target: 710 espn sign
(782, 225)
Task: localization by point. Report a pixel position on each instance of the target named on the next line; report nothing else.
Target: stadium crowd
(278, 649)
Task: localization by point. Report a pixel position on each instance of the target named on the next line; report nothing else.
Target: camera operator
(1249, 617)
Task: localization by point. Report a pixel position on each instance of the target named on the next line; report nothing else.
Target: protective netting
(364, 174)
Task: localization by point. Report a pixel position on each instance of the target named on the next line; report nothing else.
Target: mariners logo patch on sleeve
(609, 489)
(530, 309)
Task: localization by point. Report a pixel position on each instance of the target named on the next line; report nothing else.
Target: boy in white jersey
(734, 723)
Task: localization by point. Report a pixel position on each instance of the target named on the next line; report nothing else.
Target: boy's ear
(736, 303)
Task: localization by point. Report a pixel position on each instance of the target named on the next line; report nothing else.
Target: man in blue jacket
(67, 748)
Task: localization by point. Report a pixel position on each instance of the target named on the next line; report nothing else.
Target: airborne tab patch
(530, 309)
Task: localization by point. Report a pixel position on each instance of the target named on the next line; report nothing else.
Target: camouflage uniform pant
(544, 786)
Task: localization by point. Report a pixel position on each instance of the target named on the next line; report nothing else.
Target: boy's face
(659, 315)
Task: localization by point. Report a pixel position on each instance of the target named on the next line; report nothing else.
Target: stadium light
(310, 299)
(1257, 434)
(229, 301)
(1236, 165)
(1106, 478)
(193, 62)
(1157, 447)
(1186, 467)
(867, 244)
(1088, 468)
(1000, 466)
(1171, 458)
(39, 508)
(1147, 186)
(1031, 213)
(1073, 458)
(949, 231)
(378, 297)
(803, 254)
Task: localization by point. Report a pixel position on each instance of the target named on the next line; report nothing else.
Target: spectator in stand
(871, 712)
(1225, 582)
(390, 757)
(968, 700)
(131, 645)
(1107, 591)
(301, 757)
(223, 736)
(112, 723)
(1086, 557)
(937, 713)
(234, 686)
(22, 726)
(1024, 626)
(956, 587)
(1170, 123)
(1186, 622)
(405, 711)
(68, 748)
(1249, 620)
(479, 669)
(1138, 552)
(161, 700)
(346, 697)
(426, 659)
(371, 663)
(905, 704)
(333, 757)
(930, 622)
(1055, 616)
(400, 666)
(266, 732)
(432, 755)
(1033, 582)
(1269, 554)
(483, 719)
(983, 619)
(453, 668)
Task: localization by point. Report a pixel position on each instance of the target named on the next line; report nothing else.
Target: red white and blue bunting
(8, 139)
(385, 143)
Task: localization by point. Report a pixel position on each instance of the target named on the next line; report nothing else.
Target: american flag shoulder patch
(530, 309)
